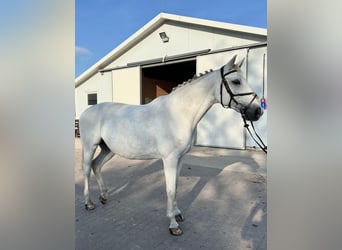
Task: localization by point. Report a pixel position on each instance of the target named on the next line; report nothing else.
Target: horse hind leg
(88, 153)
(104, 156)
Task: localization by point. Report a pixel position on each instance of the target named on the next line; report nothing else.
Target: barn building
(171, 49)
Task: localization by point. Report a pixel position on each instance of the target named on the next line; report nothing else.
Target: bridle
(232, 95)
(242, 109)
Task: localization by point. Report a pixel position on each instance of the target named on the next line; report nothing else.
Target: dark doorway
(159, 80)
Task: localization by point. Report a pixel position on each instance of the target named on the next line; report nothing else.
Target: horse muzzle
(252, 113)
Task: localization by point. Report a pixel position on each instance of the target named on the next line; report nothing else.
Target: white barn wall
(183, 39)
(224, 128)
(220, 127)
(100, 84)
(255, 75)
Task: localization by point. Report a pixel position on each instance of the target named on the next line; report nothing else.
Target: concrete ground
(221, 192)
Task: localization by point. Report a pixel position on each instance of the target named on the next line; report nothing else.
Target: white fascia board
(216, 24)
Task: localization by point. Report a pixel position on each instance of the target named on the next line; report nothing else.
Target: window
(92, 99)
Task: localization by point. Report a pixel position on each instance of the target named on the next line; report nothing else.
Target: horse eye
(236, 82)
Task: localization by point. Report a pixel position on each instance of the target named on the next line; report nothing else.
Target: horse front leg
(178, 214)
(170, 171)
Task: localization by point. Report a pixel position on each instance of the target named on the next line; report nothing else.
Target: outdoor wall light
(164, 37)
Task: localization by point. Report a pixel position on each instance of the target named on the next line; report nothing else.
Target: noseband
(242, 109)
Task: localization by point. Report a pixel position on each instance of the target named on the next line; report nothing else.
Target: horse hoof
(176, 231)
(179, 218)
(102, 199)
(89, 206)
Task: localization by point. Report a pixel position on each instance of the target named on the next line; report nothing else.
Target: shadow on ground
(224, 208)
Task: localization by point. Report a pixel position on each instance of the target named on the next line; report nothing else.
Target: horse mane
(191, 81)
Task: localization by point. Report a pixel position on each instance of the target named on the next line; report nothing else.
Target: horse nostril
(258, 111)
(253, 114)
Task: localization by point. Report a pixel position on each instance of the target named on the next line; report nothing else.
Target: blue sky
(102, 25)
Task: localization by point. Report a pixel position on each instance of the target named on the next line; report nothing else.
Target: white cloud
(82, 51)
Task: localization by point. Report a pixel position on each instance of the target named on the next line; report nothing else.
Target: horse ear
(230, 64)
(241, 62)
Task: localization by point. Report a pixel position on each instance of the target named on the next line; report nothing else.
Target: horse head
(234, 91)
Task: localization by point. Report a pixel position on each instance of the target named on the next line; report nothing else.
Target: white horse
(162, 129)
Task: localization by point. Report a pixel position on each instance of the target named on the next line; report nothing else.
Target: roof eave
(216, 24)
